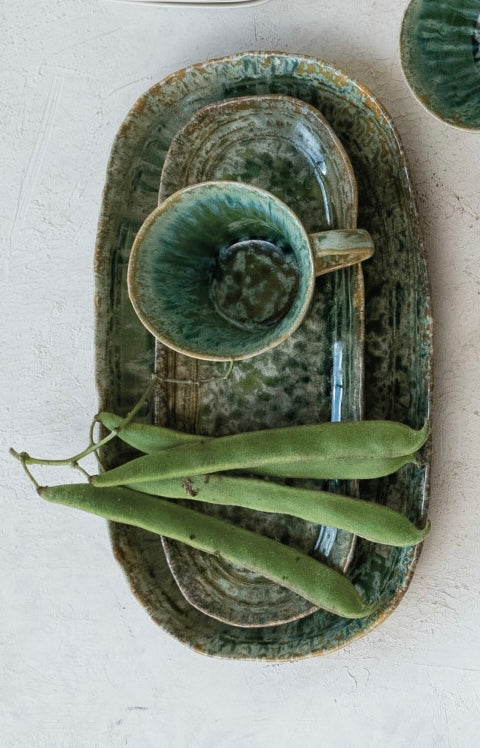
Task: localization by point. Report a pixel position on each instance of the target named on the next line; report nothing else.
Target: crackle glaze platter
(398, 341)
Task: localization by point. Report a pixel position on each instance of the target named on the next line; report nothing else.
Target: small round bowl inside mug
(224, 271)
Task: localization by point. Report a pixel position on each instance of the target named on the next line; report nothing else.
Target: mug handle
(340, 248)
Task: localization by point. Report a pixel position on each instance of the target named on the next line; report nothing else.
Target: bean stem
(26, 459)
(198, 382)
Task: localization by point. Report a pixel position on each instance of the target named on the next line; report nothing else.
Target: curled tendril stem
(93, 446)
(199, 382)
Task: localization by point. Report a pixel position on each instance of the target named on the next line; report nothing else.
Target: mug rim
(142, 234)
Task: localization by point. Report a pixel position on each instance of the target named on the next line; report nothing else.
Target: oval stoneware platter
(398, 333)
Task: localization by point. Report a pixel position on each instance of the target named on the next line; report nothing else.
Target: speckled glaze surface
(398, 330)
(440, 57)
(286, 147)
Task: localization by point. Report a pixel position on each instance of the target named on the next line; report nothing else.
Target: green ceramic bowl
(221, 271)
(440, 57)
(224, 271)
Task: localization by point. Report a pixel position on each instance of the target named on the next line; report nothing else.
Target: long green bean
(359, 449)
(364, 518)
(146, 437)
(304, 575)
(153, 439)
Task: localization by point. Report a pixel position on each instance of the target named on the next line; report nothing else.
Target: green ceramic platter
(398, 336)
(286, 147)
(440, 52)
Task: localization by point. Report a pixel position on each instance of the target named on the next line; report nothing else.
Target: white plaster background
(81, 663)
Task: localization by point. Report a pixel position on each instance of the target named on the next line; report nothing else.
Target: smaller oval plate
(275, 142)
(286, 147)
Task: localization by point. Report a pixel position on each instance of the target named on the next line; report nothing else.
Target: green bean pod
(144, 436)
(364, 518)
(280, 563)
(152, 439)
(354, 450)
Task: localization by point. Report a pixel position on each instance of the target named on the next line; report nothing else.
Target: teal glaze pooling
(286, 147)
(398, 340)
(253, 283)
(440, 59)
(174, 255)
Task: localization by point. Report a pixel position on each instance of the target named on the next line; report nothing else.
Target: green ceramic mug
(224, 271)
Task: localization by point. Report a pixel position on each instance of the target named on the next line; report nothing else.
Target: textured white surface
(81, 663)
